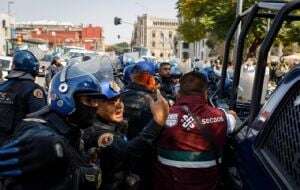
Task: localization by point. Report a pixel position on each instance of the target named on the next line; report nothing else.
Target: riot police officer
(126, 75)
(138, 113)
(137, 110)
(19, 95)
(45, 150)
(117, 154)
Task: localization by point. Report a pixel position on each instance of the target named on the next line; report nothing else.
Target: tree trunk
(253, 48)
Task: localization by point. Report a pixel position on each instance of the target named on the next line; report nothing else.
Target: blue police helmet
(176, 72)
(144, 66)
(92, 78)
(127, 74)
(25, 61)
(208, 72)
(157, 66)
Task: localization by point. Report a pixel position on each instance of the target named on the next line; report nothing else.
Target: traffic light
(117, 20)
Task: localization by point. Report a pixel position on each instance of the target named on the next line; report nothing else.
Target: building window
(185, 45)
(170, 34)
(162, 35)
(153, 44)
(3, 23)
(169, 55)
(153, 54)
(202, 55)
(185, 55)
(153, 34)
(161, 55)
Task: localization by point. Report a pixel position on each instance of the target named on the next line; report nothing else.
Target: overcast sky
(97, 12)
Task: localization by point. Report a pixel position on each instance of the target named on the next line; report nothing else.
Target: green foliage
(212, 19)
(200, 17)
(120, 47)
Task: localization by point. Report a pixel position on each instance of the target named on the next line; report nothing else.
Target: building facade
(193, 52)
(6, 32)
(158, 35)
(197, 51)
(183, 50)
(92, 37)
(63, 34)
(200, 51)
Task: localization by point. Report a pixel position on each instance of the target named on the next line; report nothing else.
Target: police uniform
(50, 157)
(44, 152)
(138, 114)
(137, 110)
(19, 96)
(186, 158)
(117, 155)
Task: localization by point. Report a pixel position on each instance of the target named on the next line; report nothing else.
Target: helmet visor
(99, 66)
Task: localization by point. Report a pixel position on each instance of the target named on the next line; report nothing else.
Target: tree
(212, 19)
(119, 48)
(200, 17)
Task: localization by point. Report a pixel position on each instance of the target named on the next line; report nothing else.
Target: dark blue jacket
(137, 109)
(44, 164)
(166, 88)
(18, 97)
(119, 156)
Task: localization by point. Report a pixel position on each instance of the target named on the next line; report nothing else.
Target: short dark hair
(193, 83)
(54, 61)
(164, 64)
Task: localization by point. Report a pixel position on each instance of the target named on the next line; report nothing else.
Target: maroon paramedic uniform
(185, 158)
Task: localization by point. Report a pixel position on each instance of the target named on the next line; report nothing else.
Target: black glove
(31, 151)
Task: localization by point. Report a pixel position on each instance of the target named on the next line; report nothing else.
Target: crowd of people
(158, 132)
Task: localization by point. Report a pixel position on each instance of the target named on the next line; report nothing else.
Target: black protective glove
(31, 151)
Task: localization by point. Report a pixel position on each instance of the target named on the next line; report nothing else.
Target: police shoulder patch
(38, 93)
(172, 120)
(106, 139)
